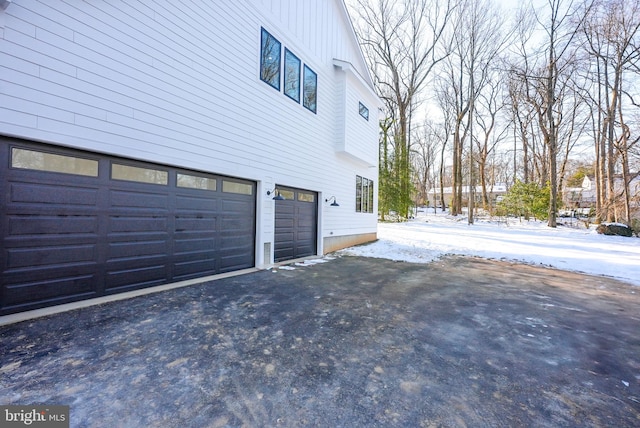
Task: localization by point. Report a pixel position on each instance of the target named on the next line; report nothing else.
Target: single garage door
(78, 225)
(296, 224)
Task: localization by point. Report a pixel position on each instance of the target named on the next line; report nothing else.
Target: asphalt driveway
(354, 342)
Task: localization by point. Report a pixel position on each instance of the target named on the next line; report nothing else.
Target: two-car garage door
(77, 225)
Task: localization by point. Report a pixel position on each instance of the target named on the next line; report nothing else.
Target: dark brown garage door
(77, 225)
(296, 224)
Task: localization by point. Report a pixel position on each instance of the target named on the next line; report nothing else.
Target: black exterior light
(334, 203)
(278, 196)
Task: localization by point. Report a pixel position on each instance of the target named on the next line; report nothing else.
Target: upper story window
(364, 111)
(291, 75)
(310, 89)
(270, 60)
(298, 81)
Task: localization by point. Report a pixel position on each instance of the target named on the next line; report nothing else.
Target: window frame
(124, 171)
(364, 195)
(237, 187)
(49, 159)
(197, 182)
(306, 102)
(274, 81)
(363, 110)
(290, 56)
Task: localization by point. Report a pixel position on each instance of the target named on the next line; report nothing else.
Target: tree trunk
(552, 134)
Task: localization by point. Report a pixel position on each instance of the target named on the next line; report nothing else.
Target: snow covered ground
(574, 248)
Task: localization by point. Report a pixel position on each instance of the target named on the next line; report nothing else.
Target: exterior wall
(178, 84)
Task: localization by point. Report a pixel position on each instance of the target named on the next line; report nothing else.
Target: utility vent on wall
(267, 253)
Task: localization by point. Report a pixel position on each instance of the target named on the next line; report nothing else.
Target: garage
(78, 225)
(296, 220)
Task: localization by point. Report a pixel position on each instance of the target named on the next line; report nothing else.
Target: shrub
(526, 200)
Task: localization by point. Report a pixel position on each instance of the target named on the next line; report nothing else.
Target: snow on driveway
(430, 236)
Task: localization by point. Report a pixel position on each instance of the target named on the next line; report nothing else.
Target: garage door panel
(233, 262)
(128, 250)
(236, 243)
(49, 256)
(36, 193)
(237, 206)
(21, 225)
(236, 224)
(195, 223)
(284, 237)
(283, 253)
(125, 199)
(147, 276)
(193, 203)
(305, 223)
(195, 244)
(49, 288)
(195, 268)
(285, 223)
(131, 224)
(285, 207)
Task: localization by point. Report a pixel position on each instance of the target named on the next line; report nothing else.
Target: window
(364, 111)
(142, 175)
(310, 89)
(196, 182)
(364, 195)
(235, 187)
(270, 60)
(41, 161)
(306, 197)
(287, 194)
(291, 75)
(270, 64)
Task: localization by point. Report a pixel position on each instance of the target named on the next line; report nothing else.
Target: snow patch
(431, 236)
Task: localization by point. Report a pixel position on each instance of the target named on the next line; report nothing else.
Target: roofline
(367, 77)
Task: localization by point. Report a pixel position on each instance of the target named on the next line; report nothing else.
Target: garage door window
(287, 194)
(306, 197)
(142, 175)
(42, 161)
(196, 182)
(234, 187)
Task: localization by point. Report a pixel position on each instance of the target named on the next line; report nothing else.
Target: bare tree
(424, 159)
(401, 40)
(475, 52)
(490, 135)
(543, 80)
(612, 34)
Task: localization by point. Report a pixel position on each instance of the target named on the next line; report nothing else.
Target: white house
(143, 143)
(495, 192)
(585, 196)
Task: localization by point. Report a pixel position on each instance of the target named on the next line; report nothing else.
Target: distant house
(580, 197)
(585, 195)
(145, 143)
(494, 193)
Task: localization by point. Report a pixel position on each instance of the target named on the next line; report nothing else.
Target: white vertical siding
(178, 83)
